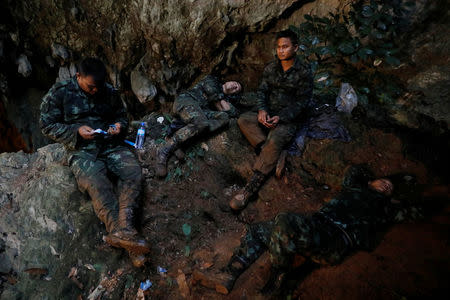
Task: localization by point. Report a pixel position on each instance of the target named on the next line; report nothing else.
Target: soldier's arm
(304, 95)
(52, 121)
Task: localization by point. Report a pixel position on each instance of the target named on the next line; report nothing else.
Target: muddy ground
(410, 262)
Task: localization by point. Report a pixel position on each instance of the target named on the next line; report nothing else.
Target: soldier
(349, 222)
(205, 107)
(70, 112)
(285, 90)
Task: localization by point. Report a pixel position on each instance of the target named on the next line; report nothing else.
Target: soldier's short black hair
(288, 34)
(94, 67)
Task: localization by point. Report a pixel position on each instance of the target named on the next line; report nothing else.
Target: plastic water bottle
(140, 137)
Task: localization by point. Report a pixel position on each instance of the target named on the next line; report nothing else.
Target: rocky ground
(51, 244)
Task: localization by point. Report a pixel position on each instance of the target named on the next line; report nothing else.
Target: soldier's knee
(244, 120)
(200, 125)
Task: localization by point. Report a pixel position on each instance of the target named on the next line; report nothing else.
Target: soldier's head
(287, 44)
(91, 75)
(231, 87)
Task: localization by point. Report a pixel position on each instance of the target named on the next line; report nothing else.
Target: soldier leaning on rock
(205, 107)
(351, 221)
(284, 92)
(70, 112)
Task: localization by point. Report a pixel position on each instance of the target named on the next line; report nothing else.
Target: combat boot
(138, 260)
(127, 237)
(242, 197)
(221, 282)
(281, 164)
(162, 156)
(127, 240)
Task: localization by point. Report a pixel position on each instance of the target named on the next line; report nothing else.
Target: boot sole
(280, 164)
(210, 283)
(136, 247)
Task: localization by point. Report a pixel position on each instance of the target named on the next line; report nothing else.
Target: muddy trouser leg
(253, 244)
(251, 129)
(292, 234)
(276, 141)
(125, 166)
(91, 177)
(216, 119)
(196, 121)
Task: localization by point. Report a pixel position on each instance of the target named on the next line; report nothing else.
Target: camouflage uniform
(64, 109)
(350, 221)
(196, 108)
(283, 94)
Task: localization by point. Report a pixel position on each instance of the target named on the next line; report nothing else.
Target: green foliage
(355, 47)
(184, 171)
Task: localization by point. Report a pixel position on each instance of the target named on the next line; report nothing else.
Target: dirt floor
(411, 262)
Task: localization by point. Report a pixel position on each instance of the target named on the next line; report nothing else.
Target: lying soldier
(347, 223)
(205, 107)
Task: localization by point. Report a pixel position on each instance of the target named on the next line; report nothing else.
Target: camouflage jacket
(66, 107)
(205, 93)
(363, 213)
(285, 94)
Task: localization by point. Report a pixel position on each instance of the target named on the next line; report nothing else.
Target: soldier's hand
(383, 186)
(273, 121)
(86, 132)
(113, 130)
(262, 117)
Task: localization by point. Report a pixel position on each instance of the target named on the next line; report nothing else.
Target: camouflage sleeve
(357, 176)
(212, 87)
(52, 121)
(304, 95)
(263, 91)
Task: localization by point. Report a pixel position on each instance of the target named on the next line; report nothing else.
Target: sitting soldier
(347, 223)
(205, 107)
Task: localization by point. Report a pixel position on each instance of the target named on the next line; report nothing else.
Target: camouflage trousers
(114, 206)
(198, 119)
(289, 235)
(273, 140)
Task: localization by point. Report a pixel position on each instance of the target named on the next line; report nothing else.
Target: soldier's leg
(250, 128)
(216, 119)
(91, 177)
(125, 166)
(277, 139)
(292, 234)
(253, 244)
(196, 121)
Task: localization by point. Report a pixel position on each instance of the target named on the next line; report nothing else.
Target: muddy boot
(242, 197)
(221, 282)
(275, 282)
(162, 156)
(127, 237)
(280, 164)
(127, 240)
(138, 260)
